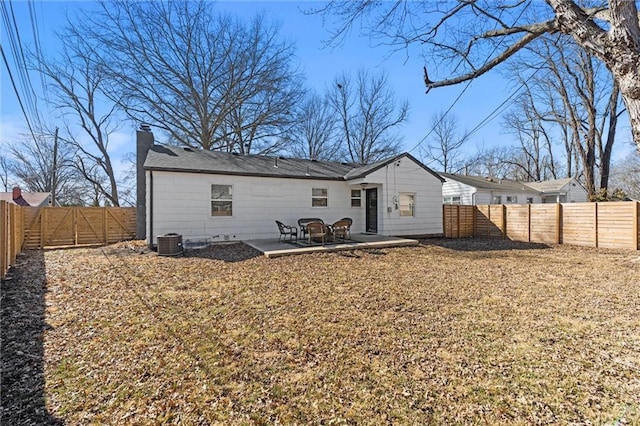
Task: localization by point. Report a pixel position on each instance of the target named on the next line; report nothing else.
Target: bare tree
(445, 148)
(466, 39)
(369, 116)
(626, 175)
(44, 165)
(572, 95)
(5, 167)
(493, 162)
(208, 80)
(314, 134)
(77, 92)
(535, 159)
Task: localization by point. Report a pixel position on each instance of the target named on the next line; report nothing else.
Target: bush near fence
(607, 224)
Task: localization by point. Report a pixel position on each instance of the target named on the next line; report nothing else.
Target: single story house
(207, 194)
(476, 190)
(26, 199)
(566, 190)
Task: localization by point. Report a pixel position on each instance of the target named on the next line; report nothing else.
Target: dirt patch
(465, 331)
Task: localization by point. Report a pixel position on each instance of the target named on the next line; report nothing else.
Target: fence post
(4, 240)
(559, 223)
(444, 220)
(104, 224)
(458, 218)
(529, 223)
(636, 231)
(595, 222)
(504, 221)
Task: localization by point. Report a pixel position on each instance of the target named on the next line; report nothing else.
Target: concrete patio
(273, 248)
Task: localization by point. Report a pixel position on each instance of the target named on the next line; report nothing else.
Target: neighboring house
(561, 191)
(204, 194)
(476, 190)
(33, 199)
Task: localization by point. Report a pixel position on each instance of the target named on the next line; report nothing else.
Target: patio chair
(341, 229)
(316, 230)
(286, 230)
(302, 223)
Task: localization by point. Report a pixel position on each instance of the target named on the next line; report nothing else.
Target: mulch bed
(450, 332)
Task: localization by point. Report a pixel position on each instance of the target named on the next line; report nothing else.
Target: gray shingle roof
(550, 185)
(491, 183)
(171, 158)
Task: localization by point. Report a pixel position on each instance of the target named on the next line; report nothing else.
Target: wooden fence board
(11, 223)
(517, 221)
(579, 224)
(607, 225)
(69, 226)
(544, 223)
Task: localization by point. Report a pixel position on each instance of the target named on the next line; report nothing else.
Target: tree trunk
(618, 48)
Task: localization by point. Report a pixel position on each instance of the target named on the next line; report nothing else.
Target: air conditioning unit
(169, 244)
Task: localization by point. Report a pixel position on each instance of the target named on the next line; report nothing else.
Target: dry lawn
(451, 332)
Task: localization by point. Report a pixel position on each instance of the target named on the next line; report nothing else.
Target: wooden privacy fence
(607, 225)
(11, 235)
(73, 226)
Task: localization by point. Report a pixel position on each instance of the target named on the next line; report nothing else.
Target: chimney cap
(145, 127)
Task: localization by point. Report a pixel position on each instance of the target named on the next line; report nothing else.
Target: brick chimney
(17, 193)
(144, 142)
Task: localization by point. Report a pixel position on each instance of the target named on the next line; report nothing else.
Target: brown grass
(460, 332)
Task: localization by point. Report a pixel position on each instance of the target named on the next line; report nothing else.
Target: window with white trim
(451, 200)
(221, 200)
(512, 199)
(356, 198)
(497, 199)
(319, 197)
(407, 204)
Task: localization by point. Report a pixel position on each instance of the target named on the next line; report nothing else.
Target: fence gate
(70, 226)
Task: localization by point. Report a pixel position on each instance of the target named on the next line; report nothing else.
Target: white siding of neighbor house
(406, 176)
(452, 188)
(485, 196)
(575, 193)
(182, 204)
(470, 195)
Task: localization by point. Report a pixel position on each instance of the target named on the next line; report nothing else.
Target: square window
(319, 197)
(497, 199)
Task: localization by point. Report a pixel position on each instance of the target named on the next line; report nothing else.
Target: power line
(485, 120)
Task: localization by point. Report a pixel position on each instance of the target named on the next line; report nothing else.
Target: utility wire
(486, 119)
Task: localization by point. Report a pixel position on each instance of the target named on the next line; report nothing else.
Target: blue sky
(319, 63)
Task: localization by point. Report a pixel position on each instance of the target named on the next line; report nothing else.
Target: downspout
(150, 209)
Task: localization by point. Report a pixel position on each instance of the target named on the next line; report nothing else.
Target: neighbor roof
(27, 198)
(491, 183)
(171, 158)
(550, 185)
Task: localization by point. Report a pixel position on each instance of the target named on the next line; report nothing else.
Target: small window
(451, 200)
(356, 198)
(319, 197)
(529, 200)
(512, 199)
(221, 200)
(497, 199)
(407, 204)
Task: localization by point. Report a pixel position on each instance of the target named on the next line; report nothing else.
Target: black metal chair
(286, 230)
